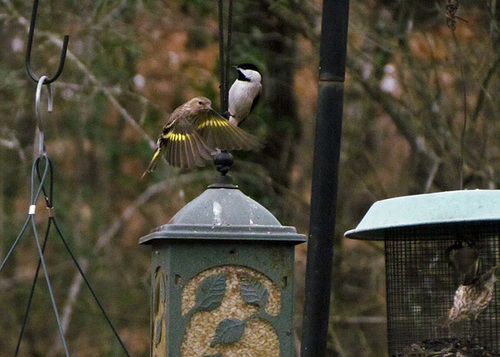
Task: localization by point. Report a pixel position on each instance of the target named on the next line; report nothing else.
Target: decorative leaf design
(210, 292)
(254, 292)
(228, 331)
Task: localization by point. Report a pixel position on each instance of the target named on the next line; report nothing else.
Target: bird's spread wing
(183, 147)
(218, 133)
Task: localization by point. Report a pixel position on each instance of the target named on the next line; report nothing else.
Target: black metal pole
(325, 177)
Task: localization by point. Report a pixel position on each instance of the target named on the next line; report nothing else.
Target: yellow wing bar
(213, 123)
(175, 136)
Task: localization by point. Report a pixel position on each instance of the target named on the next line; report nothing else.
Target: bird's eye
(200, 103)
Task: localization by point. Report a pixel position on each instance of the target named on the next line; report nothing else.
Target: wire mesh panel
(432, 282)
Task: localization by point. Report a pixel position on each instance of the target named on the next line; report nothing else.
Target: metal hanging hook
(38, 111)
(30, 44)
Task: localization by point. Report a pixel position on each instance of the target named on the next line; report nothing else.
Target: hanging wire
(35, 194)
(52, 221)
(32, 292)
(225, 54)
(228, 47)
(223, 105)
(42, 171)
(29, 45)
(37, 240)
(225, 62)
(35, 167)
(452, 7)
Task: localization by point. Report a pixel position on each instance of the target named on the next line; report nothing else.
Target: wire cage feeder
(441, 251)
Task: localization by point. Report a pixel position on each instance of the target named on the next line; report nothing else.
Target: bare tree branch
(483, 91)
(52, 38)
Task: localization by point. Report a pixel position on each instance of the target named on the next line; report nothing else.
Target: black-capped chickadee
(193, 131)
(244, 93)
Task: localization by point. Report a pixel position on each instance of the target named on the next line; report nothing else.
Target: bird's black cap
(248, 66)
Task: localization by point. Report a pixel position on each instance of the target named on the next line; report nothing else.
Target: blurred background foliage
(131, 62)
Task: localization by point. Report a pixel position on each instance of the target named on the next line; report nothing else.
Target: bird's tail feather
(154, 162)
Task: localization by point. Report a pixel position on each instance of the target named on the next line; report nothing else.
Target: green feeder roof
(443, 213)
(224, 214)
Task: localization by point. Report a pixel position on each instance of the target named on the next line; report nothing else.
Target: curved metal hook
(30, 45)
(39, 121)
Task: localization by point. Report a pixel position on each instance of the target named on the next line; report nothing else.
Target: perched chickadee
(244, 93)
(193, 131)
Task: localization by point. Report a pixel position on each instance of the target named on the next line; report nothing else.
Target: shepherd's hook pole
(333, 50)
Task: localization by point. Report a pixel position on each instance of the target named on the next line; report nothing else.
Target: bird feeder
(442, 254)
(222, 279)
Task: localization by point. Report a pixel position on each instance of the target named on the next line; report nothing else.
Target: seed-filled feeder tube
(222, 279)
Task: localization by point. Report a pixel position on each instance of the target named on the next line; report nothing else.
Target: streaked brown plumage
(471, 299)
(193, 132)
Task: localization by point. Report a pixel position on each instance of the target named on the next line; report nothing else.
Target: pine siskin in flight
(193, 132)
(244, 93)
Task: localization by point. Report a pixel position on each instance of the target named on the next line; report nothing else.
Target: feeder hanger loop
(30, 44)
(39, 121)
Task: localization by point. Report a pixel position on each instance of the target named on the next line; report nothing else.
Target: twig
(13, 144)
(118, 223)
(106, 91)
(105, 238)
(432, 174)
(484, 87)
(52, 38)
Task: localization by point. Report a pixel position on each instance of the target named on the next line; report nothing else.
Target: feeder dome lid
(442, 213)
(224, 214)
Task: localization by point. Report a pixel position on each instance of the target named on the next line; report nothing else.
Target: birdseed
(258, 338)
